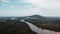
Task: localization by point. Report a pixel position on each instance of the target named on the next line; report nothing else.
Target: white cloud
(7, 1)
(17, 13)
(42, 2)
(47, 7)
(43, 7)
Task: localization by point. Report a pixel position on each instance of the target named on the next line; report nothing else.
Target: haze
(29, 7)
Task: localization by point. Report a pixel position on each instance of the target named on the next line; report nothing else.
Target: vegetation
(45, 24)
(14, 27)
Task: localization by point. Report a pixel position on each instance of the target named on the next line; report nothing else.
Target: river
(39, 30)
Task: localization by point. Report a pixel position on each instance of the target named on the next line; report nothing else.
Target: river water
(39, 30)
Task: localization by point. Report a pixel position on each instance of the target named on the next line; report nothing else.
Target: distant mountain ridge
(34, 17)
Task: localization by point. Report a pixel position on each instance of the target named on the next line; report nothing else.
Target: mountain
(36, 16)
(33, 17)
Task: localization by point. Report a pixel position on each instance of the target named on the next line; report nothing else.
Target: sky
(29, 7)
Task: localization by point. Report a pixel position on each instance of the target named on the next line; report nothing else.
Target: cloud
(6, 1)
(47, 7)
(42, 7)
(17, 13)
(42, 2)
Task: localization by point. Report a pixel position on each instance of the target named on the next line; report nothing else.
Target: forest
(13, 25)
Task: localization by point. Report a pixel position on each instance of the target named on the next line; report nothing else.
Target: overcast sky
(29, 7)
